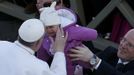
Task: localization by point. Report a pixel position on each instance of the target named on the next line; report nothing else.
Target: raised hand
(81, 53)
(60, 40)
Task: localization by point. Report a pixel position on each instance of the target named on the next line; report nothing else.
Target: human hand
(60, 40)
(81, 53)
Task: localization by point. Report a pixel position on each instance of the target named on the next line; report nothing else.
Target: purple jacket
(76, 34)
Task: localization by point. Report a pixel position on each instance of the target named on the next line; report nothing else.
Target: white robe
(16, 59)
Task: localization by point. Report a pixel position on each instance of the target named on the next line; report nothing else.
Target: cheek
(55, 30)
(47, 31)
(50, 30)
(131, 53)
(122, 53)
(126, 55)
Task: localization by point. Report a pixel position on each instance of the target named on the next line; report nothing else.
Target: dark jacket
(109, 61)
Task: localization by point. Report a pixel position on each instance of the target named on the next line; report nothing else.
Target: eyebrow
(129, 42)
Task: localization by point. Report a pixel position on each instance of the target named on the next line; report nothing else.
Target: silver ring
(62, 36)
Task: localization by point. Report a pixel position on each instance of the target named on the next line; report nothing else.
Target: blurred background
(111, 18)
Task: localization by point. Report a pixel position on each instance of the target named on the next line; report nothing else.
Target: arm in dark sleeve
(107, 69)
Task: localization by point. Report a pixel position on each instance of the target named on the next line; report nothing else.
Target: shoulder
(108, 52)
(38, 63)
(109, 55)
(5, 44)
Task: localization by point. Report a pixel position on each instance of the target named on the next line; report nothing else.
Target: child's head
(50, 19)
(53, 18)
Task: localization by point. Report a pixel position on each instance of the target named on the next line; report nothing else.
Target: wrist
(94, 60)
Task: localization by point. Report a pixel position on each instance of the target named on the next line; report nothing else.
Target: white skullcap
(49, 16)
(31, 30)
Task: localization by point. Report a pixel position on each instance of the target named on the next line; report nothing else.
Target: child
(65, 19)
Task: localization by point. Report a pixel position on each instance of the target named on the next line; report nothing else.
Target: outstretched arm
(58, 65)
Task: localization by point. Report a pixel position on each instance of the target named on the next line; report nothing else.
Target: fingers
(52, 40)
(60, 41)
(75, 51)
(79, 48)
(66, 36)
(60, 33)
(75, 54)
(84, 46)
(74, 57)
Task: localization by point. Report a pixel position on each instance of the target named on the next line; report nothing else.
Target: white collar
(29, 50)
(124, 62)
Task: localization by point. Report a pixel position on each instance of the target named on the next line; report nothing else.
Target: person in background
(47, 3)
(61, 4)
(65, 19)
(110, 61)
(18, 58)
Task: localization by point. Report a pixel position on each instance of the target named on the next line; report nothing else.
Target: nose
(124, 44)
